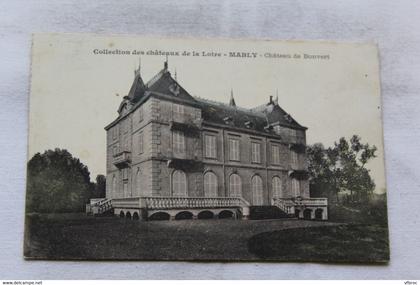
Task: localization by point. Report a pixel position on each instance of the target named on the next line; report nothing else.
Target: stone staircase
(99, 206)
(267, 212)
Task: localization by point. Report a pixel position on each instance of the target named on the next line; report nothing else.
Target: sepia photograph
(145, 148)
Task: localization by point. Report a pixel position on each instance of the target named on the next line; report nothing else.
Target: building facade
(175, 155)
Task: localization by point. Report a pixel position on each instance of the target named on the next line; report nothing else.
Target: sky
(333, 89)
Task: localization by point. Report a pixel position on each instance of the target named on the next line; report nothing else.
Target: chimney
(271, 100)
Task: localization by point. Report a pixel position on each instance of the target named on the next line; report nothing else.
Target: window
(179, 184)
(275, 154)
(210, 184)
(178, 142)
(138, 181)
(114, 150)
(210, 146)
(295, 187)
(125, 125)
(256, 152)
(178, 110)
(234, 149)
(257, 190)
(125, 189)
(294, 160)
(114, 184)
(126, 144)
(140, 143)
(140, 113)
(115, 132)
(277, 187)
(235, 185)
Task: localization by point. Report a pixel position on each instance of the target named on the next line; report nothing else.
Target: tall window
(235, 185)
(140, 142)
(210, 146)
(178, 111)
(115, 132)
(277, 187)
(179, 183)
(275, 153)
(114, 185)
(125, 190)
(256, 152)
(257, 190)
(295, 187)
(125, 125)
(126, 144)
(138, 182)
(294, 160)
(234, 149)
(210, 184)
(178, 142)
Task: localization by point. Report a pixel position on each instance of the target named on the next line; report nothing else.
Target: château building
(171, 155)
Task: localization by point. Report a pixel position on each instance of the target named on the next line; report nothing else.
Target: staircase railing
(105, 206)
(285, 204)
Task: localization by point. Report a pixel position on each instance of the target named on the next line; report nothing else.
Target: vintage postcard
(202, 149)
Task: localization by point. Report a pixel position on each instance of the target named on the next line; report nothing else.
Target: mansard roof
(254, 119)
(276, 115)
(162, 84)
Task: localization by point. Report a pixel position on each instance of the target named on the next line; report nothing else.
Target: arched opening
(179, 183)
(205, 215)
(122, 215)
(128, 215)
(210, 184)
(235, 185)
(184, 215)
(307, 214)
(276, 187)
(295, 187)
(257, 190)
(160, 216)
(136, 216)
(318, 214)
(225, 214)
(138, 181)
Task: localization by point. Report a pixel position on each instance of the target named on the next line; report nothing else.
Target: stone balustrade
(288, 205)
(190, 202)
(319, 202)
(158, 203)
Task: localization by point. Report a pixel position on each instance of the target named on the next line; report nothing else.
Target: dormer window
(268, 128)
(249, 124)
(227, 120)
(288, 118)
(174, 89)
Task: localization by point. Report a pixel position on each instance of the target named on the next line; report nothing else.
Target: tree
(100, 187)
(57, 182)
(341, 168)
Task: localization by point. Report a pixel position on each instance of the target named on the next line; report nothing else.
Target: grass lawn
(73, 236)
(343, 243)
